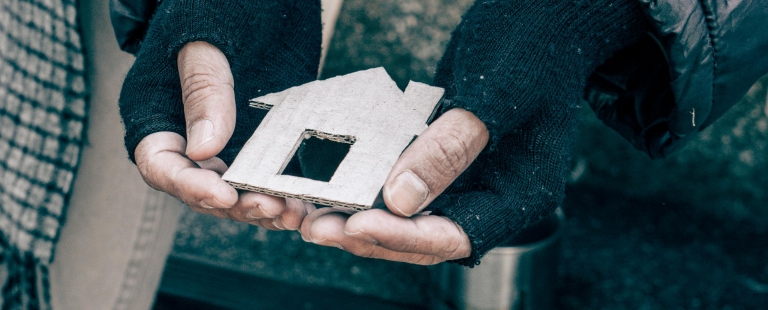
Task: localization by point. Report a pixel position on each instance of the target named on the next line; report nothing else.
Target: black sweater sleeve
(270, 45)
(521, 67)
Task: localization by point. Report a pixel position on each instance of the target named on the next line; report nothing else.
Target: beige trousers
(118, 231)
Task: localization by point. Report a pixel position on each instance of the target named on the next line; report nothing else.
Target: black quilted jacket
(702, 59)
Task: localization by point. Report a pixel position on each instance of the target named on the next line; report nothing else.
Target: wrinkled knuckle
(197, 88)
(143, 160)
(147, 174)
(412, 245)
(201, 85)
(448, 155)
(150, 175)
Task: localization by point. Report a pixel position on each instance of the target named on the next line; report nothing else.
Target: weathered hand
(184, 103)
(432, 162)
(190, 170)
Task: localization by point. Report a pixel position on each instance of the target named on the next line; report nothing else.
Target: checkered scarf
(42, 117)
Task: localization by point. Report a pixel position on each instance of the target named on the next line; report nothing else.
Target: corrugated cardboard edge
(337, 205)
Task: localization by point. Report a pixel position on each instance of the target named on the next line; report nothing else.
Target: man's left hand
(426, 168)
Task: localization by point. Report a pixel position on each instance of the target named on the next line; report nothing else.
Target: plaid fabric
(42, 118)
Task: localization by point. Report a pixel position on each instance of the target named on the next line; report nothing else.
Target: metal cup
(521, 274)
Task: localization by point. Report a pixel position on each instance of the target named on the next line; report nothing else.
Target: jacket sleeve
(699, 61)
(130, 20)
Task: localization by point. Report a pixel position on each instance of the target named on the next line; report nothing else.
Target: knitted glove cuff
(479, 215)
(512, 187)
(148, 125)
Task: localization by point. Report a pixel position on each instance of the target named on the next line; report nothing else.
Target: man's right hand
(188, 169)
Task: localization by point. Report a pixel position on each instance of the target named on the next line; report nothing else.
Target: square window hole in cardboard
(345, 133)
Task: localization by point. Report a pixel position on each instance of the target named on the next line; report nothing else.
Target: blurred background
(686, 232)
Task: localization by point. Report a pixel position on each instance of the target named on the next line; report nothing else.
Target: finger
(213, 164)
(306, 232)
(433, 161)
(269, 211)
(208, 94)
(294, 214)
(253, 206)
(425, 234)
(310, 207)
(219, 213)
(236, 215)
(328, 230)
(161, 164)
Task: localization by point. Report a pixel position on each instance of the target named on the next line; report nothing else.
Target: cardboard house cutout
(364, 109)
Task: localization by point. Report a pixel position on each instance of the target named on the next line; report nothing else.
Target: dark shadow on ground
(631, 254)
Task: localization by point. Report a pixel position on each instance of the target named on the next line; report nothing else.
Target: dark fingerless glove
(270, 45)
(521, 67)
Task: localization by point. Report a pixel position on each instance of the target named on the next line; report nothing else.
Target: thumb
(208, 94)
(433, 161)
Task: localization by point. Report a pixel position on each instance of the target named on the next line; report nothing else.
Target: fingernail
(278, 222)
(304, 238)
(205, 205)
(407, 193)
(362, 236)
(199, 133)
(251, 215)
